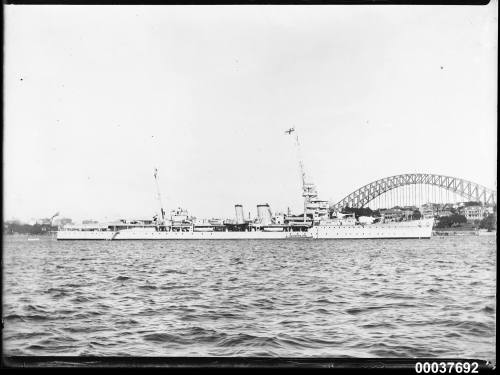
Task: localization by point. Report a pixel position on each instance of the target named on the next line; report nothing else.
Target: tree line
(38, 229)
(367, 211)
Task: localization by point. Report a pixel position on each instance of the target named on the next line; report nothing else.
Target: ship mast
(308, 189)
(301, 163)
(162, 211)
(302, 172)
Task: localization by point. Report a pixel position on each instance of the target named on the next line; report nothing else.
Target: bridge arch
(467, 189)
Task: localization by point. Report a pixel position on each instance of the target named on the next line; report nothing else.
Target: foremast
(161, 216)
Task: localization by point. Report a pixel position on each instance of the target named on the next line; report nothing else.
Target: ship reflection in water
(374, 298)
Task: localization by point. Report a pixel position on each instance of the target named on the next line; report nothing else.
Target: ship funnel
(264, 214)
(240, 219)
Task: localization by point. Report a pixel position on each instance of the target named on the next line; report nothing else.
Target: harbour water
(303, 298)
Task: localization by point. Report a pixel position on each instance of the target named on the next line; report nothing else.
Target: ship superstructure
(314, 207)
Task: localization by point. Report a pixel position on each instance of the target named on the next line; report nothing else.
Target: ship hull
(159, 235)
(84, 235)
(399, 230)
(402, 230)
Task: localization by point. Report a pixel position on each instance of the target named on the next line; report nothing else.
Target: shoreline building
(474, 212)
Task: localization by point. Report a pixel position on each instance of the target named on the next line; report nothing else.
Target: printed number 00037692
(446, 367)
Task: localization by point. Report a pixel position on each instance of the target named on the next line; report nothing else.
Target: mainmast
(162, 211)
(308, 189)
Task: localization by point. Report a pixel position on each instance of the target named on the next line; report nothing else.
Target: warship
(317, 221)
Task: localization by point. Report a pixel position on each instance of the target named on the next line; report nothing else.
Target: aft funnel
(264, 214)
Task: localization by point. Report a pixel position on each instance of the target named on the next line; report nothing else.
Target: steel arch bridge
(467, 189)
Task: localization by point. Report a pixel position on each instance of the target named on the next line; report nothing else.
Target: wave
(148, 287)
(14, 317)
(166, 338)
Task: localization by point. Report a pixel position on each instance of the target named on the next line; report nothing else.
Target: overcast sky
(96, 97)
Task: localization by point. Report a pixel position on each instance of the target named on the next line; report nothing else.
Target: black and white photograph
(250, 182)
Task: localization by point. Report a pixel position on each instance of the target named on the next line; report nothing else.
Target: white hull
(404, 229)
(131, 234)
(410, 229)
(84, 235)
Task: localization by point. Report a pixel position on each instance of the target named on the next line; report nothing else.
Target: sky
(96, 97)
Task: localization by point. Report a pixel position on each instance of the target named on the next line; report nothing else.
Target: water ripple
(377, 298)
